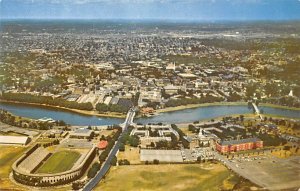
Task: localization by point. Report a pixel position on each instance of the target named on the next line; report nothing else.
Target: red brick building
(239, 145)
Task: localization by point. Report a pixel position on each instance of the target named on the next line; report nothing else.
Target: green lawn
(59, 162)
(182, 177)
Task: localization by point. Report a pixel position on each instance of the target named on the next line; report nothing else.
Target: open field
(131, 154)
(186, 177)
(106, 132)
(59, 162)
(8, 155)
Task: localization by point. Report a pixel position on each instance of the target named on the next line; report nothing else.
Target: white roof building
(161, 155)
(20, 140)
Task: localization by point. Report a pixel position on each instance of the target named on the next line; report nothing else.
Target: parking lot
(193, 154)
(76, 143)
(268, 171)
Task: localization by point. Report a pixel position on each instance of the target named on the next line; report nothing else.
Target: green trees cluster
(192, 128)
(101, 107)
(186, 101)
(55, 142)
(270, 140)
(111, 142)
(124, 162)
(93, 170)
(133, 141)
(114, 161)
(181, 135)
(77, 185)
(135, 98)
(10, 119)
(28, 98)
(163, 144)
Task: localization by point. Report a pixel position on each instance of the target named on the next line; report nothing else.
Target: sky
(193, 10)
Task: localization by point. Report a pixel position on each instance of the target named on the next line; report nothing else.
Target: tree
(77, 185)
(124, 162)
(102, 138)
(162, 144)
(134, 141)
(113, 161)
(250, 90)
(241, 118)
(155, 161)
(152, 144)
(93, 170)
(199, 159)
(122, 147)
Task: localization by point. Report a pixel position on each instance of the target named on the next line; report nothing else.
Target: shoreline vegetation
(192, 106)
(158, 111)
(83, 112)
(247, 115)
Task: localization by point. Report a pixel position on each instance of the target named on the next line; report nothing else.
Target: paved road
(106, 166)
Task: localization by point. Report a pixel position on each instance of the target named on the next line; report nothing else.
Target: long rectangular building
(239, 145)
(161, 155)
(20, 140)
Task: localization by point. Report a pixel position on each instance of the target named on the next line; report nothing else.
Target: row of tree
(126, 139)
(101, 107)
(111, 142)
(186, 101)
(10, 119)
(48, 100)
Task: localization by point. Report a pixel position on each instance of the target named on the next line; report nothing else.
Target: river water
(187, 115)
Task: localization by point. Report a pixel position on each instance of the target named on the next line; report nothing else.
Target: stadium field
(59, 162)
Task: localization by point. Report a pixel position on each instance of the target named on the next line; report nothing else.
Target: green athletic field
(59, 162)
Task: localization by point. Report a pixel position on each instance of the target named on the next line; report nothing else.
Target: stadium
(61, 164)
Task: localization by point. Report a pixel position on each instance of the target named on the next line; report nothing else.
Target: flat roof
(81, 132)
(161, 155)
(235, 142)
(13, 139)
(187, 75)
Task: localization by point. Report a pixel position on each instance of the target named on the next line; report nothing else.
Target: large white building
(19, 140)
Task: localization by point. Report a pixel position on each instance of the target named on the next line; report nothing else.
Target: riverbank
(83, 112)
(192, 106)
(208, 109)
(248, 115)
(279, 106)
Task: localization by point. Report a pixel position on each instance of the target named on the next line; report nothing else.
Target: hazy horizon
(165, 10)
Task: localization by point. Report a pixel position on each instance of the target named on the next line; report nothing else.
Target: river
(187, 115)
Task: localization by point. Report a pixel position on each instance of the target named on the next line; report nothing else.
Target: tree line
(28, 98)
(186, 101)
(102, 107)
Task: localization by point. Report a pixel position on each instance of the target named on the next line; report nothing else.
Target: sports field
(59, 162)
(187, 177)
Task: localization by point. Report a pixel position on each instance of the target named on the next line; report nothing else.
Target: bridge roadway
(106, 166)
(256, 110)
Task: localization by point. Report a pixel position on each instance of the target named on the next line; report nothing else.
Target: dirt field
(131, 154)
(177, 177)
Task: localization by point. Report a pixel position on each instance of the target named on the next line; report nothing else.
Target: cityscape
(125, 95)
